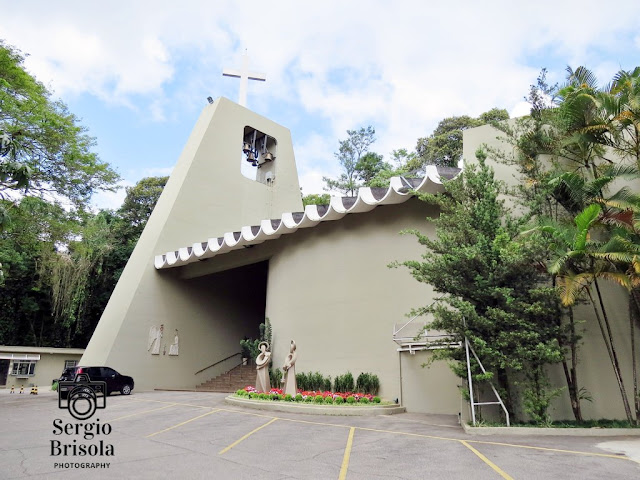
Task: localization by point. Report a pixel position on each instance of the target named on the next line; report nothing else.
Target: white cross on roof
(244, 75)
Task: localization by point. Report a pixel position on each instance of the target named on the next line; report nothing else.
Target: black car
(115, 381)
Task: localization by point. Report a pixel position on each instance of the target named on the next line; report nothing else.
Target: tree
(62, 266)
(370, 165)
(27, 249)
(349, 153)
(491, 289)
(138, 205)
(316, 199)
(573, 151)
(43, 149)
(444, 146)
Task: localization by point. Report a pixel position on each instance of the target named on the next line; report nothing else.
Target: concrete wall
(331, 291)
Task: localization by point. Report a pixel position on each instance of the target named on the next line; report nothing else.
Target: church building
(221, 252)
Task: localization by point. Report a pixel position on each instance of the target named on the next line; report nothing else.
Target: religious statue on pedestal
(263, 383)
(289, 367)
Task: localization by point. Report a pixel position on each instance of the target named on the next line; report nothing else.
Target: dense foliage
(60, 267)
(43, 149)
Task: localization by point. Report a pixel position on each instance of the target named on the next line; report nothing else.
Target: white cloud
(400, 68)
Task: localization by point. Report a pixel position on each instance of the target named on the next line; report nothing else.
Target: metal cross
(244, 75)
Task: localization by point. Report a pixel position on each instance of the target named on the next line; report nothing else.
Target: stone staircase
(235, 379)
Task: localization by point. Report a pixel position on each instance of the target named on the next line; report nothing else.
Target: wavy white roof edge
(399, 191)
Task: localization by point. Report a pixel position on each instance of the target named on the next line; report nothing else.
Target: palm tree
(578, 265)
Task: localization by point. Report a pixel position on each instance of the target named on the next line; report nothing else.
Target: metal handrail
(395, 332)
(219, 361)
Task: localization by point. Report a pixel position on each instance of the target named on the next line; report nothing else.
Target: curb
(553, 432)
(291, 407)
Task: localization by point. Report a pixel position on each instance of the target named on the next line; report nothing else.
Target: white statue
(173, 348)
(155, 337)
(289, 367)
(263, 383)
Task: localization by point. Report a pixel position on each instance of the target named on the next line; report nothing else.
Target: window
(23, 368)
(70, 363)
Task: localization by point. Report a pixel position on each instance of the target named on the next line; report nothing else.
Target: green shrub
(313, 381)
(275, 377)
(338, 400)
(328, 399)
(54, 386)
(377, 399)
(327, 384)
(319, 399)
(318, 381)
(368, 383)
(351, 399)
(299, 397)
(288, 398)
(301, 381)
(309, 399)
(249, 346)
(240, 392)
(364, 400)
(274, 396)
(344, 383)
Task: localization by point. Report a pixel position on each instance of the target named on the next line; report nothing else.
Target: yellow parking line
(395, 432)
(225, 450)
(140, 413)
(182, 423)
(487, 461)
(574, 452)
(514, 445)
(347, 454)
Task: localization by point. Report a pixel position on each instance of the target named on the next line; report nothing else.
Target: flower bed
(316, 397)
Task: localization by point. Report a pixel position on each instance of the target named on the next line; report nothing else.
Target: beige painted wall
(330, 290)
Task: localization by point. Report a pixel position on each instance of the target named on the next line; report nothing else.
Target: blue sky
(138, 73)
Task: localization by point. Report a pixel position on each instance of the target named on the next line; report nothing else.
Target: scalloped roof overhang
(399, 191)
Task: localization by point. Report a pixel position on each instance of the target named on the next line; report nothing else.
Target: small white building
(34, 366)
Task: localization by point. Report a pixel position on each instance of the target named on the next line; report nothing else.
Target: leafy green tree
(369, 166)
(444, 146)
(138, 205)
(43, 149)
(62, 267)
(28, 247)
(316, 199)
(492, 292)
(573, 151)
(349, 153)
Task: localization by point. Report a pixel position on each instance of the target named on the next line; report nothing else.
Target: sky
(138, 73)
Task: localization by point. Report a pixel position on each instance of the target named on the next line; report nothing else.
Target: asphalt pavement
(192, 435)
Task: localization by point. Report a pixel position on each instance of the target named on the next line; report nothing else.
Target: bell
(251, 158)
(246, 148)
(268, 157)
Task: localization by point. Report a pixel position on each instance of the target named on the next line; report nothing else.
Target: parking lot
(196, 435)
